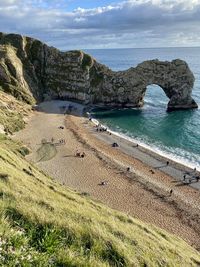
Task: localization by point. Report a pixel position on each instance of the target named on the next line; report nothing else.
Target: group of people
(61, 141)
(191, 176)
(100, 128)
(68, 109)
(80, 154)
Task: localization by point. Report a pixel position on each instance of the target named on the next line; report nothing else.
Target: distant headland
(32, 71)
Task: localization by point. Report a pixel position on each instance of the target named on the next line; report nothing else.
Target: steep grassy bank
(12, 113)
(45, 224)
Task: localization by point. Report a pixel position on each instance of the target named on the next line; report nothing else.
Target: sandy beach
(142, 192)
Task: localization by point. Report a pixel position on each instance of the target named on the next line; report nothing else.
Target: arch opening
(155, 96)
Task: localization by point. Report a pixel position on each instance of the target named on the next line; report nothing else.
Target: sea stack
(33, 71)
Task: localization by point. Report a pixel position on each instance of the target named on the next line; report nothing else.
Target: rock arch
(175, 78)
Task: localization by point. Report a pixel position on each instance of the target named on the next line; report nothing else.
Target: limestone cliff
(30, 70)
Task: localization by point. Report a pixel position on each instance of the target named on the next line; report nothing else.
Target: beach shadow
(58, 144)
(46, 152)
(69, 156)
(182, 184)
(135, 146)
(161, 166)
(61, 107)
(103, 183)
(161, 197)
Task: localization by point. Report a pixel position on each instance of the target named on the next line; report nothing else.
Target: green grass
(87, 61)
(12, 113)
(45, 224)
(12, 121)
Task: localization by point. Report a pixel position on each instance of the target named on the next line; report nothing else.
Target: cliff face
(31, 70)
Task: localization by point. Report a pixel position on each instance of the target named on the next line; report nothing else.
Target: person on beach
(170, 192)
(104, 183)
(167, 163)
(60, 141)
(115, 144)
(52, 140)
(78, 153)
(128, 169)
(82, 155)
(194, 170)
(197, 178)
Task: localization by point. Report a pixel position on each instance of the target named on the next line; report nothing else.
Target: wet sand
(138, 192)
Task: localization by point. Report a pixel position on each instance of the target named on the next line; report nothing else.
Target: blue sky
(74, 24)
(70, 5)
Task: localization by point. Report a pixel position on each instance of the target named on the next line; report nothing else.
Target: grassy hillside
(45, 224)
(12, 112)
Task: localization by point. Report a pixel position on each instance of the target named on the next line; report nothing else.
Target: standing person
(77, 153)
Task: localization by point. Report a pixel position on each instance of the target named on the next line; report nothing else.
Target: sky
(94, 24)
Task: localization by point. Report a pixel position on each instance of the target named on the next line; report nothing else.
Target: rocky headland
(32, 71)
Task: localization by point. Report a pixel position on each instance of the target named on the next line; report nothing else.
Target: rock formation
(30, 70)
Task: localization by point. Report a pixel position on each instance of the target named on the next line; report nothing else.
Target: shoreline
(151, 150)
(107, 140)
(138, 193)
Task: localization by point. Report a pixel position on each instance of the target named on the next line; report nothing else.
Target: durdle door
(32, 71)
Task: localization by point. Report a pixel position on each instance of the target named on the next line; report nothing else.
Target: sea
(175, 135)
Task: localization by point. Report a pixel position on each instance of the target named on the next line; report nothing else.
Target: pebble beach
(150, 189)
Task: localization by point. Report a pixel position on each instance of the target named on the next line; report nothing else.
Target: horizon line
(156, 47)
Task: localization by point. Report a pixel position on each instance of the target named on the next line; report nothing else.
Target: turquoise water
(175, 134)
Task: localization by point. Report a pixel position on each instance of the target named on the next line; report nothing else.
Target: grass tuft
(4, 177)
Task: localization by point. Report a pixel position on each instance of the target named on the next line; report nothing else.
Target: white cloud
(126, 24)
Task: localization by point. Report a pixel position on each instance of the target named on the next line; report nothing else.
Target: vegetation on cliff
(87, 61)
(12, 113)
